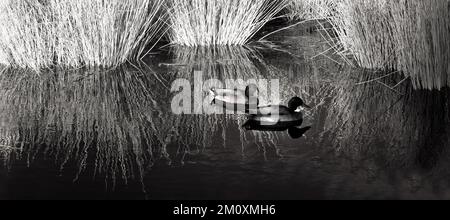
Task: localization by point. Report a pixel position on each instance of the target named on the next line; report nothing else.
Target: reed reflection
(388, 121)
(118, 123)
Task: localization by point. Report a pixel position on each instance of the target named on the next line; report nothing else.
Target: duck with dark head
(279, 118)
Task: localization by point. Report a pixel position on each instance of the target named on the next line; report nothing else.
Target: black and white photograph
(224, 100)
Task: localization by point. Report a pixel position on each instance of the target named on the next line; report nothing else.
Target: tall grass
(410, 36)
(310, 9)
(219, 22)
(41, 33)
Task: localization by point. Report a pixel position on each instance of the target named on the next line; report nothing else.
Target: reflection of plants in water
(6, 148)
(402, 126)
(119, 122)
(78, 115)
(227, 62)
(115, 122)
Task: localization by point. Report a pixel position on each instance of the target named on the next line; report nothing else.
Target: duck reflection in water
(280, 118)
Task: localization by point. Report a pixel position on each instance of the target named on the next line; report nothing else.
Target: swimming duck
(279, 118)
(275, 116)
(234, 99)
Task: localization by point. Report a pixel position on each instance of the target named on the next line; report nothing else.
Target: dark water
(111, 134)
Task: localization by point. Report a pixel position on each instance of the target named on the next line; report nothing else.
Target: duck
(235, 99)
(279, 118)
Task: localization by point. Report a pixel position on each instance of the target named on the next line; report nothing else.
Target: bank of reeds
(410, 36)
(42, 33)
(219, 22)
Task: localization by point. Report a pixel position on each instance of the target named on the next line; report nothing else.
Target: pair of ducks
(263, 118)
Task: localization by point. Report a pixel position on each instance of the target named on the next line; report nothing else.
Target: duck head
(295, 103)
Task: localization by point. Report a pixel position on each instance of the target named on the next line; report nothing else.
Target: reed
(404, 35)
(42, 33)
(310, 9)
(219, 22)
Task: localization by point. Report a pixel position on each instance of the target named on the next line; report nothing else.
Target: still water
(111, 134)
